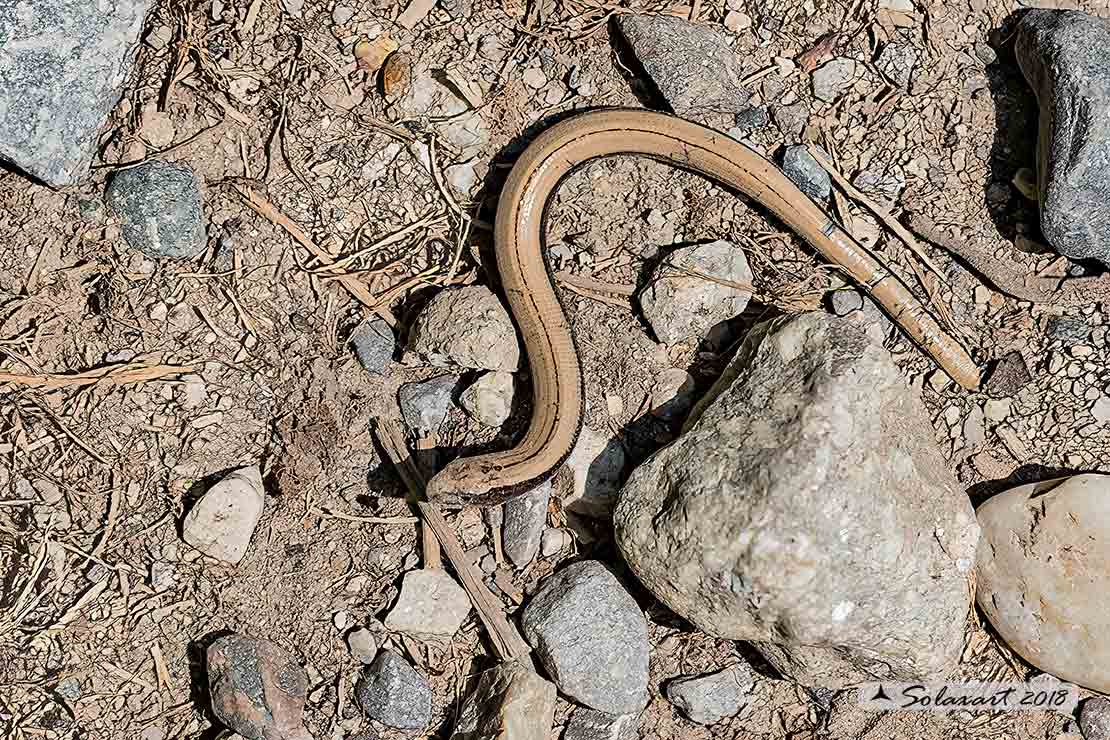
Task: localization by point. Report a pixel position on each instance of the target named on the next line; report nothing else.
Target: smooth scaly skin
(556, 374)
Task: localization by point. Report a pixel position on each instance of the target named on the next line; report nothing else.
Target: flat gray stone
(807, 490)
(221, 522)
(393, 693)
(160, 210)
(692, 66)
(374, 344)
(431, 603)
(590, 724)
(466, 327)
(62, 68)
(695, 288)
(1063, 56)
(834, 78)
(363, 646)
(591, 638)
(1038, 579)
(424, 405)
(257, 688)
(710, 698)
(510, 702)
(898, 60)
(846, 301)
(810, 177)
(525, 517)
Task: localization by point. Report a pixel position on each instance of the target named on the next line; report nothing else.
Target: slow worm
(557, 406)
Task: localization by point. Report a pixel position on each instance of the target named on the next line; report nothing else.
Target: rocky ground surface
(255, 228)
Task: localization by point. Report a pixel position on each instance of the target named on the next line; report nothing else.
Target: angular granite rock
(257, 688)
(692, 65)
(525, 516)
(1063, 56)
(510, 702)
(807, 508)
(62, 68)
(710, 698)
(695, 288)
(392, 692)
(467, 327)
(590, 724)
(1043, 572)
(591, 637)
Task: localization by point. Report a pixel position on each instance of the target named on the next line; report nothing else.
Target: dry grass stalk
(506, 639)
(128, 374)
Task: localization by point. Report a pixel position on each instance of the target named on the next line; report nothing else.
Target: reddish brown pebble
(257, 688)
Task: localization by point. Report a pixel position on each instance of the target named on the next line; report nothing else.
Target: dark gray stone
(257, 688)
(1068, 329)
(590, 724)
(1063, 56)
(710, 698)
(393, 693)
(1008, 376)
(763, 514)
(424, 405)
(1094, 718)
(752, 118)
(62, 67)
(692, 66)
(159, 207)
(591, 638)
(374, 344)
(525, 517)
(810, 177)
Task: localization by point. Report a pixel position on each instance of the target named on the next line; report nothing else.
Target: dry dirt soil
(105, 612)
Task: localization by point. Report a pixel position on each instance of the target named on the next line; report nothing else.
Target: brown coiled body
(556, 373)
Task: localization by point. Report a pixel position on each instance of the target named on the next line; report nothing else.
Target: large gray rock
(695, 288)
(257, 688)
(392, 692)
(807, 508)
(510, 702)
(159, 207)
(467, 327)
(1042, 575)
(62, 67)
(591, 638)
(1063, 56)
(710, 698)
(691, 65)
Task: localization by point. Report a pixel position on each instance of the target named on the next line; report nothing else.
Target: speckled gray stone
(424, 405)
(591, 637)
(525, 516)
(810, 177)
(1094, 718)
(393, 693)
(159, 207)
(257, 688)
(374, 343)
(692, 65)
(62, 67)
(590, 724)
(710, 698)
(1063, 56)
